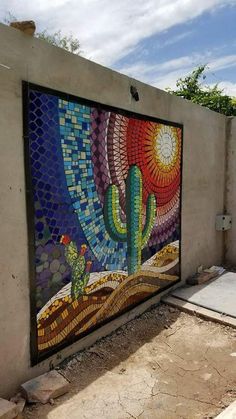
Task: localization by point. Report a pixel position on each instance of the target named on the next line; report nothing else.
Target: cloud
(228, 87)
(176, 39)
(222, 63)
(152, 72)
(109, 30)
(166, 74)
(188, 61)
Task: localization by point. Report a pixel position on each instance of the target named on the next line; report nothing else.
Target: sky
(155, 41)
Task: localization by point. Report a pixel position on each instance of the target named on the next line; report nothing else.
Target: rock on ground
(8, 410)
(45, 387)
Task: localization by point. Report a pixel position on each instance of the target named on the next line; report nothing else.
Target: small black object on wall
(134, 93)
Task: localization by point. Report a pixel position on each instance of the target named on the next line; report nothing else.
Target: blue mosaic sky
(154, 41)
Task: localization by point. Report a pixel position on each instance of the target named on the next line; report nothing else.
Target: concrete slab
(200, 311)
(217, 295)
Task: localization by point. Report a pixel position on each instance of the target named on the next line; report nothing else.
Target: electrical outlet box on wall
(223, 222)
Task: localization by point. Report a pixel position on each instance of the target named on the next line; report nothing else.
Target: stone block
(8, 410)
(19, 401)
(45, 387)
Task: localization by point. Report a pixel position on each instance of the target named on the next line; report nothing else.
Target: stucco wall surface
(25, 58)
(230, 191)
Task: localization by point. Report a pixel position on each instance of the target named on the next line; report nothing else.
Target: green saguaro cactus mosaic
(131, 231)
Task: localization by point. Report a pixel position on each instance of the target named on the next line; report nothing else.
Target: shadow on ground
(164, 364)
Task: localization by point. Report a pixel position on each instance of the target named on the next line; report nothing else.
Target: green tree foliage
(192, 88)
(69, 43)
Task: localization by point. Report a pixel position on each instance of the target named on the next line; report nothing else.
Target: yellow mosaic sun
(166, 144)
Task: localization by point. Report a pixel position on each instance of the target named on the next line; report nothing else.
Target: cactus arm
(114, 225)
(150, 218)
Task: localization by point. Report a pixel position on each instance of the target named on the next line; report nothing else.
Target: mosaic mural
(105, 190)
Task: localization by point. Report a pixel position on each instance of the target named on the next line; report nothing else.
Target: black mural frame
(26, 86)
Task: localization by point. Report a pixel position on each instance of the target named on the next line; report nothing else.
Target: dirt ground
(165, 364)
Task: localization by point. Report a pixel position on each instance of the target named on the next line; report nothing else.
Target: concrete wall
(230, 191)
(26, 58)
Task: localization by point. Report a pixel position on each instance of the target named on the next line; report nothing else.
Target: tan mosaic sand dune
(155, 264)
(66, 318)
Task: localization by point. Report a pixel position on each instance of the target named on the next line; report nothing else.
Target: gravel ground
(165, 364)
